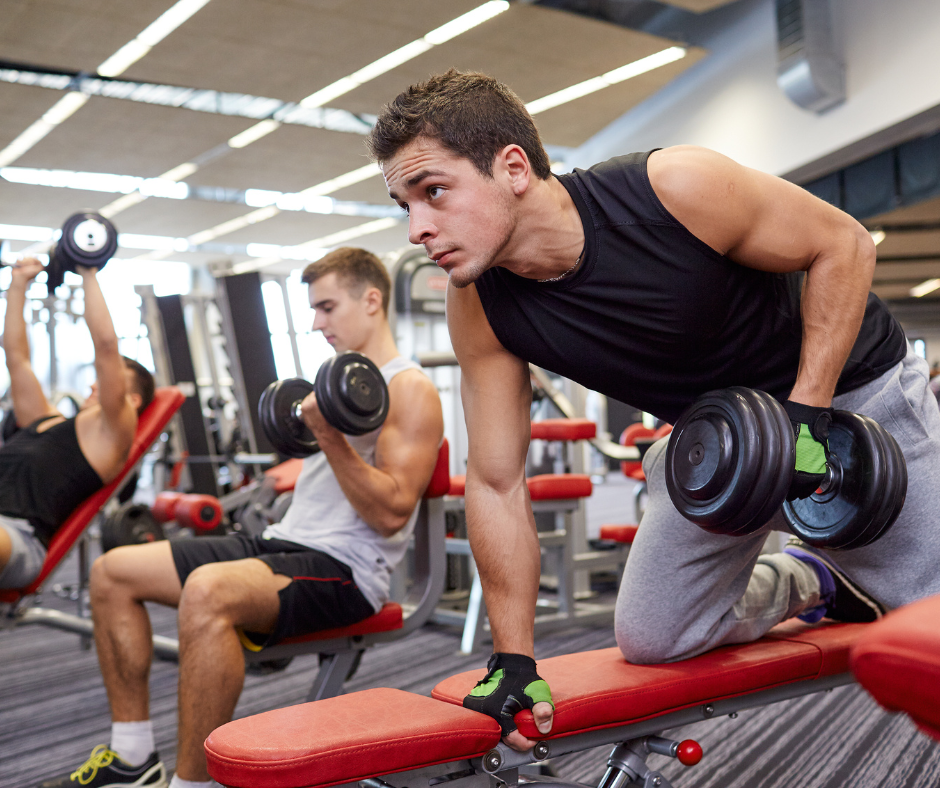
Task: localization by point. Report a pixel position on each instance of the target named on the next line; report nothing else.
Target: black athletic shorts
(323, 594)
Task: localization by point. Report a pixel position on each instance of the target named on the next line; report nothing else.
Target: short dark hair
(472, 115)
(143, 381)
(355, 269)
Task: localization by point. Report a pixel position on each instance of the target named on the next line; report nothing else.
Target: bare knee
(204, 598)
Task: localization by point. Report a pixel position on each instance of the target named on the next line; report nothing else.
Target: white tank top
(322, 518)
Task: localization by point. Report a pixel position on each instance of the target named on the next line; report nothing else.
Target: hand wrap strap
(509, 686)
(811, 428)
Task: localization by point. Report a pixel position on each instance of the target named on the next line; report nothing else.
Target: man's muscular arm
(29, 400)
(497, 393)
(386, 494)
(764, 222)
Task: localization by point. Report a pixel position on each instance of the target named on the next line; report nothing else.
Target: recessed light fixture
(878, 236)
(925, 287)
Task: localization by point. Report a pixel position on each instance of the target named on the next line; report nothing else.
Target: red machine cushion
(628, 438)
(600, 689)
(458, 484)
(387, 619)
(440, 479)
(285, 474)
(559, 486)
(164, 506)
(625, 534)
(898, 661)
(563, 429)
(344, 739)
(166, 401)
(199, 511)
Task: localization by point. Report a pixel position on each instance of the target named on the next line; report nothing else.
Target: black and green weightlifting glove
(509, 686)
(811, 427)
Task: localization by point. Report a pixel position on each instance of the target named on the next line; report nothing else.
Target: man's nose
(420, 228)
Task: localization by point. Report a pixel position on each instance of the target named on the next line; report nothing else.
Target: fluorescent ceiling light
(96, 182)
(408, 52)
(344, 180)
(114, 65)
(253, 133)
(878, 236)
(925, 287)
(22, 232)
(594, 84)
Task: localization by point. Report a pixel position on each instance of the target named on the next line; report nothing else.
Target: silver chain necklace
(562, 276)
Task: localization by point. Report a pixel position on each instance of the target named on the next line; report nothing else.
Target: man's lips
(442, 258)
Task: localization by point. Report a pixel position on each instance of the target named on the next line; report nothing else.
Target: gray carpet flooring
(53, 710)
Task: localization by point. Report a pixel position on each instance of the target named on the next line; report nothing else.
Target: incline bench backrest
(153, 421)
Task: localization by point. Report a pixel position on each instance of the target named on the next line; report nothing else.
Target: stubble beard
(470, 271)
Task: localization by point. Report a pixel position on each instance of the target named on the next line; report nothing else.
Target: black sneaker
(841, 599)
(105, 769)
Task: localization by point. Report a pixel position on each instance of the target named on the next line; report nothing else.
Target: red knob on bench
(198, 511)
(689, 752)
(164, 506)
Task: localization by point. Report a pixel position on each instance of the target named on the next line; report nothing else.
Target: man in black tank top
(51, 464)
(652, 278)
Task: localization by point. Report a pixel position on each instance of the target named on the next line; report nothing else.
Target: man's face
(463, 219)
(342, 317)
(93, 399)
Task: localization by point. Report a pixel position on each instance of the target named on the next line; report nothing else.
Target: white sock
(133, 741)
(179, 782)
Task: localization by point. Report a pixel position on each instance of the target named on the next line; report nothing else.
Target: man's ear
(373, 300)
(136, 400)
(514, 163)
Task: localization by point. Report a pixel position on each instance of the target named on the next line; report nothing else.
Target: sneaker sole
(141, 782)
(863, 596)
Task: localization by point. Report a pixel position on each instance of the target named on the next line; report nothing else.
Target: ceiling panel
(45, 207)
(698, 6)
(22, 106)
(176, 218)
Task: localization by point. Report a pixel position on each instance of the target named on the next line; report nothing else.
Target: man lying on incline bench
(327, 564)
(52, 464)
(653, 278)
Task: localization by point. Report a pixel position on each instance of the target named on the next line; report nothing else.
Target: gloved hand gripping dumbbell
(88, 240)
(732, 462)
(351, 394)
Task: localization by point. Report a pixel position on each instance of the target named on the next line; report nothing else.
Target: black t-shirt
(655, 317)
(44, 476)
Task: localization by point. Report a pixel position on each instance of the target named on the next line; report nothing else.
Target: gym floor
(53, 708)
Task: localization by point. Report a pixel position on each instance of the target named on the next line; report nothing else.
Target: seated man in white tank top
(327, 564)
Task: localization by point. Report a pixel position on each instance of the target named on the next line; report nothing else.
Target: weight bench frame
(14, 609)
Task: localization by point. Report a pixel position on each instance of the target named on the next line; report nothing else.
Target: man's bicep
(29, 399)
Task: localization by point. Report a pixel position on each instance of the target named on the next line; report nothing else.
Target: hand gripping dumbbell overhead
(730, 466)
(351, 394)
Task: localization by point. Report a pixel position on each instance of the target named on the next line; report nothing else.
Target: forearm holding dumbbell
(112, 383)
(386, 494)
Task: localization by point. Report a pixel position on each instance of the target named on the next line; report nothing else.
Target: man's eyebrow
(416, 179)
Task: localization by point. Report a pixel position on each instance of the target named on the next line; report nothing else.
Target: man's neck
(549, 237)
(380, 346)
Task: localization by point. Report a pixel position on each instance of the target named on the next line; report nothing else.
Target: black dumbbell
(88, 240)
(730, 463)
(351, 394)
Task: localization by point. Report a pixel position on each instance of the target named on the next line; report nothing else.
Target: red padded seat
(898, 661)
(285, 474)
(387, 619)
(600, 689)
(544, 487)
(559, 486)
(345, 739)
(166, 401)
(563, 429)
(633, 469)
(440, 478)
(625, 534)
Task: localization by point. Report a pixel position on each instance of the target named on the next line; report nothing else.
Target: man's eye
(435, 191)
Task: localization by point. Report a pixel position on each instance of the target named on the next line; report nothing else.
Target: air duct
(809, 70)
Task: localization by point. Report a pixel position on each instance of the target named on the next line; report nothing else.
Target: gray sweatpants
(686, 591)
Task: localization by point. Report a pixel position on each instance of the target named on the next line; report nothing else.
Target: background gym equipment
(351, 393)
(131, 523)
(193, 510)
(730, 463)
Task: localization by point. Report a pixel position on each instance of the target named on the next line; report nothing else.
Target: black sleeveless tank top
(44, 476)
(654, 317)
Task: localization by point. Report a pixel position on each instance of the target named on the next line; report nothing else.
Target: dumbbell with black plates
(730, 464)
(88, 240)
(351, 394)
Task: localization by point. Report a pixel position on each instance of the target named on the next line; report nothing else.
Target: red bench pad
(285, 474)
(898, 662)
(563, 429)
(544, 487)
(599, 689)
(625, 534)
(387, 619)
(343, 739)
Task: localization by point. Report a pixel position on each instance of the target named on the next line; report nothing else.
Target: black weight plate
(834, 519)
(713, 460)
(894, 491)
(55, 272)
(132, 523)
(277, 412)
(777, 459)
(88, 240)
(352, 393)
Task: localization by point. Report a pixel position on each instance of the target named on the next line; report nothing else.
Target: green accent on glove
(540, 692)
(488, 686)
(810, 453)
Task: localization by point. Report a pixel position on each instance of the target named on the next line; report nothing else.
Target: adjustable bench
(152, 422)
(898, 661)
(389, 738)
